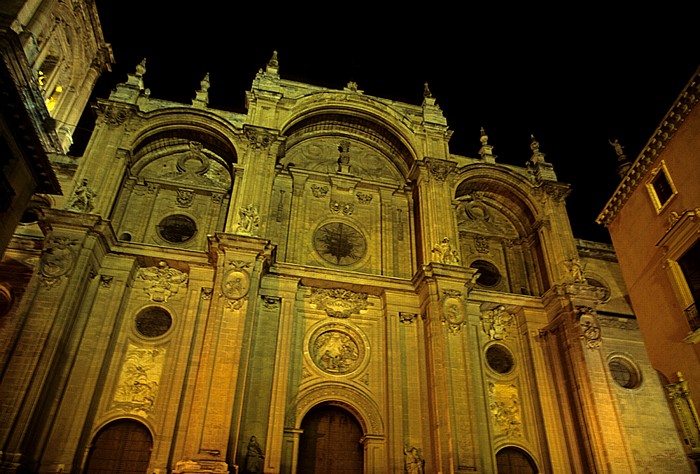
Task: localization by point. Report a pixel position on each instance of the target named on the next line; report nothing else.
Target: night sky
(572, 79)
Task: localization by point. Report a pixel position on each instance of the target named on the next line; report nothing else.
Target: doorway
(330, 442)
(121, 447)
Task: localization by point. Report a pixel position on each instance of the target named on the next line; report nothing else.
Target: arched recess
(514, 460)
(498, 222)
(375, 128)
(181, 177)
(349, 398)
(122, 446)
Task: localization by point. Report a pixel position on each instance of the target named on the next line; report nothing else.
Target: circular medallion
(339, 243)
(236, 284)
(336, 349)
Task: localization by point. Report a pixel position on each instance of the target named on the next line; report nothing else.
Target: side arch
(344, 396)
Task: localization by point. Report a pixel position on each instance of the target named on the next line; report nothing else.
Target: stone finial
(428, 99)
(273, 63)
(486, 150)
(202, 95)
(141, 68)
(204, 83)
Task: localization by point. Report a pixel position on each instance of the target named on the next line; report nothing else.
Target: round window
(339, 243)
(177, 228)
(490, 276)
(499, 358)
(624, 372)
(153, 322)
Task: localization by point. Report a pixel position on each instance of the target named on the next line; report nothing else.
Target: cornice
(664, 133)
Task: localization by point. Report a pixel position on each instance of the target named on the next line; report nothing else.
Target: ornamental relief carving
(235, 284)
(453, 310)
(335, 351)
(333, 155)
(139, 379)
(161, 281)
(338, 302)
(496, 322)
(57, 259)
(590, 329)
(504, 406)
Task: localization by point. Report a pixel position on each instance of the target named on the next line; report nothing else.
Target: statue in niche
(344, 158)
(82, 198)
(415, 463)
(250, 220)
(254, 456)
(446, 253)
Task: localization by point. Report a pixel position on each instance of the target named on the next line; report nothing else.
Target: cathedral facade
(315, 285)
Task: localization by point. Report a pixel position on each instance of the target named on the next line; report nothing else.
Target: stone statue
(254, 456)
(250, 220)
(575, 270)
(82, 197)
(414, 461)
(619, 149)
(446, 253)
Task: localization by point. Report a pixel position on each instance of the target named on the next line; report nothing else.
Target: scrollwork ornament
(338, 302)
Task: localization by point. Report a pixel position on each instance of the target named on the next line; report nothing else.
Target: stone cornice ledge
(663, 134)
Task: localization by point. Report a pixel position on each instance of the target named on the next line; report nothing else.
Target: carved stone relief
(590, 329)
(504, 405)
(495, 322)
(162, 281)
(57, 259)
(335, 350)
(337, 302)
(329, 155)
(236, 284)
(138, 381)
(453, 310)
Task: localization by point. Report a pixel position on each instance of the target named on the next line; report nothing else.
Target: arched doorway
(513, 460)
(330, 442)
(121, 447)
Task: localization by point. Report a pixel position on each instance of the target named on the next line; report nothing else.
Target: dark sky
(574, 79)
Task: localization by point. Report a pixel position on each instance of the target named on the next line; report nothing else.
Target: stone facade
(237, 282)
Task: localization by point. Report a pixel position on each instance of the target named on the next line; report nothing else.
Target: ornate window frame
(683, 233)
(660, 170)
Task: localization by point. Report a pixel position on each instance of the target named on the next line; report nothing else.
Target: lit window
(660, 187)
